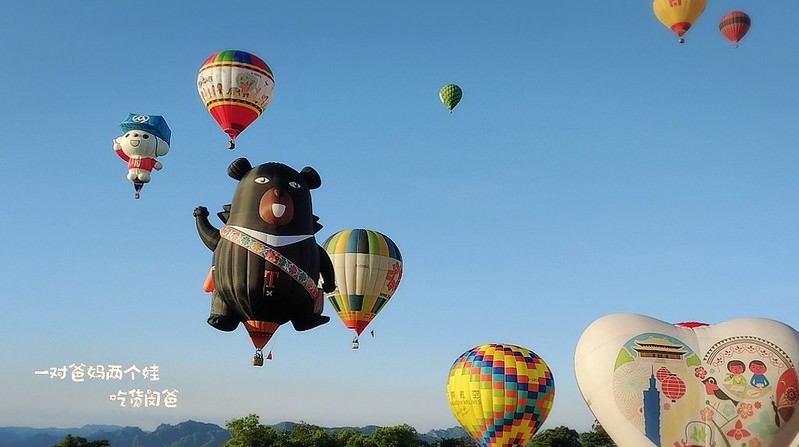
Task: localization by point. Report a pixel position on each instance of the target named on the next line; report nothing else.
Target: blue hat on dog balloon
(154, 124)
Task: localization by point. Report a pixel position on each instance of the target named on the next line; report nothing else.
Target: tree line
(249, 432)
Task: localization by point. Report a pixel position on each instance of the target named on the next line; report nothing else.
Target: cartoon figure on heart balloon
(652, 383)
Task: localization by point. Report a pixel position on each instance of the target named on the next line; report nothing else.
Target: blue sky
(594, 166)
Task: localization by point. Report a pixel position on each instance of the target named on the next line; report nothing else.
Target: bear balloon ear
(311, 177)
(239, 168)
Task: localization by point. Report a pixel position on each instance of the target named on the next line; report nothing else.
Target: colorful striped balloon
(500, 394)
(734, 25)
(236, 87)
(368, 268)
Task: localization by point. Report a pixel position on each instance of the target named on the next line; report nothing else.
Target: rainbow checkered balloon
(500, 394)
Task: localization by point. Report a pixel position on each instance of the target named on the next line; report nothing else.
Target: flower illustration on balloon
(745, 410)
(707, 413)
(739, 432)
(700, 373)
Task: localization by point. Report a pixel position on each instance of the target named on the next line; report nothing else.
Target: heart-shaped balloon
(652, 383)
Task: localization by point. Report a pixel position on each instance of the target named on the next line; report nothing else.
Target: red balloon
(734, 26)
(690, 324)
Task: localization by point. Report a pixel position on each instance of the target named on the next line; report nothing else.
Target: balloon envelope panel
(500, 393)
(260, 331)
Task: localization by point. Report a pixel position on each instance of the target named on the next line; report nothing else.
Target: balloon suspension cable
(137, 186)
(231, 145)
(355, 343)
(258, 358)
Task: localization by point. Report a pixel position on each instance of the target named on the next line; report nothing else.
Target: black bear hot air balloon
(266, 259)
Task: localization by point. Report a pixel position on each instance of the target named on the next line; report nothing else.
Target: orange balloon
(734, 25)
(260, 332)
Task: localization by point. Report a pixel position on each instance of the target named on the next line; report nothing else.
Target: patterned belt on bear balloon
(272, 256)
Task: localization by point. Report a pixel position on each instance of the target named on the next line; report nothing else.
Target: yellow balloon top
(678, 15)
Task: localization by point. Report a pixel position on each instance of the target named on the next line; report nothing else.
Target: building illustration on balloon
(742, 389)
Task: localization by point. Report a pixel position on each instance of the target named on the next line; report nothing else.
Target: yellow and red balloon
(678, 15)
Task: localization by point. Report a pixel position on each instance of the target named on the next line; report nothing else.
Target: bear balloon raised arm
(266, 258)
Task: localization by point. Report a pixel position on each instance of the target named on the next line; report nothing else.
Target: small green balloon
(450, 95)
